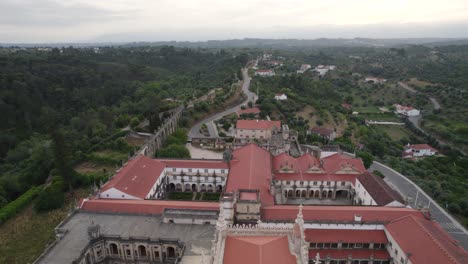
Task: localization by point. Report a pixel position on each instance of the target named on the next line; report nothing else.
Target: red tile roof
(337, 162)
(257, 250)
(342, 214)
(195, 164)
(323, 131)
(253, 110)
(421, 146)
(144, 207)
(257, 124)
(137, 177)
(344, 253)
(300, 164)
(251, 169)
(347, 236)
(378, 189)
(425, 241)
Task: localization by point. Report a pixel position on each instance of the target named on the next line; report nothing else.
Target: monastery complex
(274, 209)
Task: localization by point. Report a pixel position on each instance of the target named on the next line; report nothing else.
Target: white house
(304, 68)
(419, 150)
(323, 69)
(374, 79)
(406, 110)
(281, 96)
(265, 73)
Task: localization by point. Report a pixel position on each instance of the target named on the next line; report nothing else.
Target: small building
(347, 106)
(260, 129)
(375, 80)
(265, 73)
(418, 150)
(406, 110)
(281, 96)
(324, 132)
(274, 63)
(323, 69)
(304, 68)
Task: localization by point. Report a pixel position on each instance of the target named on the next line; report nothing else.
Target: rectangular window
(222, 171)
(358, 245)
(189, 170)
(173, 169)
(315, 183)
(334, 245)
(319, 245)
(206, 170)
(343, 183)
(313, 245)
(326, 245)
(344, 245)
(328, 183)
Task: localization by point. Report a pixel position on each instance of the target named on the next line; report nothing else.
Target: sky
(42, 21)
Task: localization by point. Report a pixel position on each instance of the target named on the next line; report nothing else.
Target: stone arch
(290, 193)
(342, 194)
(330, 194)
(172, 187)
(311, 193)
(194, 188)
(142, 251)
(171, 252)
(219, 188)
(203, 188)
(210, 188)
(317, 194)
(178, 187)
(324, 194)
(187, 187)
(114, 250)
(304, 194)
(298, 193)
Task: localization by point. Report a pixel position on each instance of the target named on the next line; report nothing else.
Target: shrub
(11, 209)
(52, 197)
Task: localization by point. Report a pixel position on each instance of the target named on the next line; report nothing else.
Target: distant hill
(270, 43)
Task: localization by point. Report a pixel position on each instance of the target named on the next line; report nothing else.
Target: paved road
(195, 130)
(411, 191)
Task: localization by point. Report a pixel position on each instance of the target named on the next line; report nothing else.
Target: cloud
(49, 13)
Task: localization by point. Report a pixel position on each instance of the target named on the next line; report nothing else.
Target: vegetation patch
(183, 196)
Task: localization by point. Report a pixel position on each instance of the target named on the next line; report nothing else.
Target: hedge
(14, 207)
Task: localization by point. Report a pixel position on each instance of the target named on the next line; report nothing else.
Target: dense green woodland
(59, 105)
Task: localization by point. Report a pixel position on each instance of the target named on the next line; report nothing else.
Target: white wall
(362, 193)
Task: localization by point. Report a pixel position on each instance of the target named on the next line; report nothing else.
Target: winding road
(195, 130)
(419, 199)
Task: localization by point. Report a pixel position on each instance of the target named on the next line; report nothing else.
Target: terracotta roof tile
(257, 124)
(251, 169)
(433, 244)
(257, 250)
(378, 189)
(137, 177)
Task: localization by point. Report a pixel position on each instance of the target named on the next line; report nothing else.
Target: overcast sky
(154, 20)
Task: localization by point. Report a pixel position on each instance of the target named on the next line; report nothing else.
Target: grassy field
(380, 117)
(395, 132)
(24, 237)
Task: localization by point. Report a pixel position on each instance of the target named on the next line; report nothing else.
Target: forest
(60, 105)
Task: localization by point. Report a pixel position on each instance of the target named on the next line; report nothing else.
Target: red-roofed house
(418, 150)
(326, 133)
(260, 129)
(254, 110)
(281, 97)
(140, 178)
(265, 73)
(406, 110)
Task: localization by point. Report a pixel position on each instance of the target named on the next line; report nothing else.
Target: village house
(418, 150)
(281, 97)
(323, 69)
(259, 129)
(304, 68)
(406, 110)
(265, 73)
(326, 133)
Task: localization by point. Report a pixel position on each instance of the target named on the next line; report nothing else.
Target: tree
(173, 151)
(62, 158)
(366, 157)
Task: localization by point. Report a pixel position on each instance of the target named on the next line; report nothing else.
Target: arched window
(142, 251)
(113, 249)
(171, 252)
